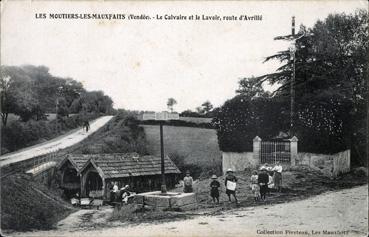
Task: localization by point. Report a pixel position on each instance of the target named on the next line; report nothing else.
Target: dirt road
(54, 144)
(341, 213)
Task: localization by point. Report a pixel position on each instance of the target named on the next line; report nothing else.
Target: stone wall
(341, 162)
(238, 161)
(330, 164)
(322, 162)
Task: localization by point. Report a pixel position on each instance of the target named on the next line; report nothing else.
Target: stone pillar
(293, 142)
(256, 149)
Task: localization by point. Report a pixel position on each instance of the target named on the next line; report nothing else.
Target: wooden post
(83, 184)
(163, 184)
(256, 149)
(293, 142)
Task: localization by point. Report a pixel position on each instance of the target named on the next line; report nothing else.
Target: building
(141, 173)
(68, 169)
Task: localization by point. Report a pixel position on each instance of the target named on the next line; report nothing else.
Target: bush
(179, 123)
(361, 172)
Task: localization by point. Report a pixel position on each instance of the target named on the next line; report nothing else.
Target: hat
(262, 168)
(214, 176)
(127, 186)
(229, 170)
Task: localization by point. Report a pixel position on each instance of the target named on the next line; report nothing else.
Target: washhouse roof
(128, 164)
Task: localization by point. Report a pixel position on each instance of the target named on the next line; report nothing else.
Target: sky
(142, 63)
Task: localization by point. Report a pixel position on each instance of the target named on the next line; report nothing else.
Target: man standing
(230, 183)
(187, 181)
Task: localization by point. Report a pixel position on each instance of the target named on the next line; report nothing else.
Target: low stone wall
(323, 162)
(238, 161)
(330, 164)
(341, 163)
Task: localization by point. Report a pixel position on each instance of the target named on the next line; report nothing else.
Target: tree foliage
(170, 103)
(330, 90)
(30, 92)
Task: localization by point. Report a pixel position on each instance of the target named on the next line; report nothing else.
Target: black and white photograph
(184, 118)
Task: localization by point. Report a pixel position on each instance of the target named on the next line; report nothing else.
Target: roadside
(329, 214)
(55, 144)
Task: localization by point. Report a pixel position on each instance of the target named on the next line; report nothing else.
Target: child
(263, 180)
(187, 181)
(214, 188)
(270, 183)
(255, 186)
(230, 184)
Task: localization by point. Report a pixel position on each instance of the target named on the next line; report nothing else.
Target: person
(115, 192)
(86, 125)
(187, 181)
(255, 186)
(263, 180)
(125, 194)
(270, 182)
(277, 176)
(110, 193)
(230, 183)
(214, 189)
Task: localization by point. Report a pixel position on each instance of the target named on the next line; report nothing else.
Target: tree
(240, 119)
(251, 88)
(331, 59)
(6, 99)
(170, 103)
(206, 107)
(62, 108)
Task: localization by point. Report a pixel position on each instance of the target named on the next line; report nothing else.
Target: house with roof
(141, 173)
(68, 169)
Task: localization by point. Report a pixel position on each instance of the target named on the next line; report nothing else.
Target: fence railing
(272, 152)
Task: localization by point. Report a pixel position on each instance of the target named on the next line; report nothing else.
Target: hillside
(197, 146)
(29, 205)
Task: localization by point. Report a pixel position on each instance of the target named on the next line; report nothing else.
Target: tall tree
(170, 104)
(206, 107)
(331, 63)
(251, 87)
(6, 98)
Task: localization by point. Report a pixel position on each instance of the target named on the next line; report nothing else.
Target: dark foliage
(178, 123)
(30, 92)
(19, 134)
(330, 93)
(241, 119)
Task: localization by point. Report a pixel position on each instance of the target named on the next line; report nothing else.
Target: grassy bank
(27, 205)
(196, 146)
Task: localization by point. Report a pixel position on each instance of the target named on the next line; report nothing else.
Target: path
(54, 144)
(345, 210)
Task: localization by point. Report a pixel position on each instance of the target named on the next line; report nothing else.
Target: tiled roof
(77, 160)
(131, 164)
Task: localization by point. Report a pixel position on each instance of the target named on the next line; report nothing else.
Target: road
(54, 144)
(329, 214)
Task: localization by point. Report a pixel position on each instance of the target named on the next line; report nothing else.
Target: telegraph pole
(163, 183)
(292, 85)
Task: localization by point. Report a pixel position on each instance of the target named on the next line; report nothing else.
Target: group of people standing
(119, 195)
(267, 178)
(230, 183)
